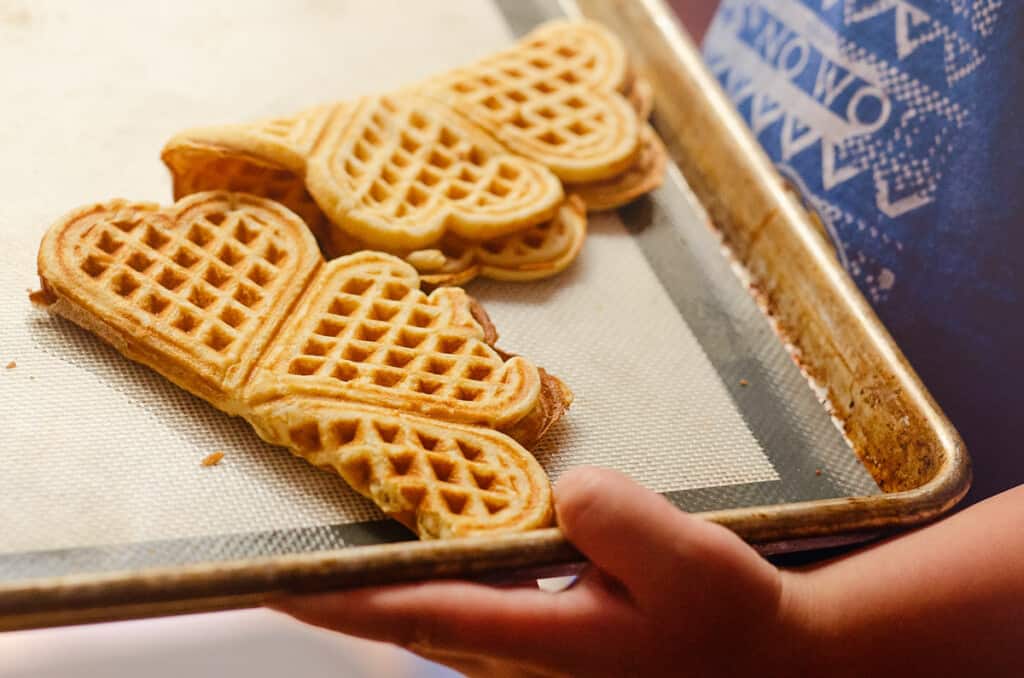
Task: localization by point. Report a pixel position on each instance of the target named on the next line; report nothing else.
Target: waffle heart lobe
(194, 291)
(395, 172)
(439, 479)
(399, 171)
(366, 333)
(553, 97)
(265, 158)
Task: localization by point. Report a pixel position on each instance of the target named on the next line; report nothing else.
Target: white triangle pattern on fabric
(738, 85)
(831, 175)
(914, 27)
(763, 112)
(956, 65)
(855, 11)
(796, 136)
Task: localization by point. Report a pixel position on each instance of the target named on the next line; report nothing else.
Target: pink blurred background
(695, 15)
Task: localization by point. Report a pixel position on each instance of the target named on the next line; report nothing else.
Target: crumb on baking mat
(213, 459)
(11, 365)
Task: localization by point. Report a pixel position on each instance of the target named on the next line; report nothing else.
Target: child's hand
(667, 594)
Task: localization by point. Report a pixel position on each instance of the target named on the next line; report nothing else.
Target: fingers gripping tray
(681, 378)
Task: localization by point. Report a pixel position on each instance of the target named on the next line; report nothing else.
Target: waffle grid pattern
(579, 133)
(574, 52)
(475, 154)
(551, 98)
(207, 272)
(545, 242)
(409, 467)
(378, 330)
(204, 281)
(406, 158)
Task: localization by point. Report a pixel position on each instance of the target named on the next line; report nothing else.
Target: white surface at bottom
(250, 643)
(96, 450)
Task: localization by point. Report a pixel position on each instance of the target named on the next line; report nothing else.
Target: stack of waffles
(485, 170)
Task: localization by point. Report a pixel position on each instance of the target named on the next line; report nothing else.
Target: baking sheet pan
(105, 510)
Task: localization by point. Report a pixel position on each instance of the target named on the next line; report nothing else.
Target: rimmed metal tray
(682, 340)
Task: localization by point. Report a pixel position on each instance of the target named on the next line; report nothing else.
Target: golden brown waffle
(395, 172)
(537, 252)
(347, 363)
(400, 171)
(193, 290)
(581, 54)
(440, 480)
(552, 98)
(644, 175)
(367, 333)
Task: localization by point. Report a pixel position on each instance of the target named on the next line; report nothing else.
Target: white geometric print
(877, 119)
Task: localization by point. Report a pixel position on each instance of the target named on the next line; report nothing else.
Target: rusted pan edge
(894, 425)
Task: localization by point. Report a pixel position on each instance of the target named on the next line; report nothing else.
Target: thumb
(654, 549)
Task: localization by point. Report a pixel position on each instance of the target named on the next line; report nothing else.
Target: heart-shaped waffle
(366, 333)
(553, 60)
(552, 98)
(193, 290)
(440, 480)
(394, 172)
(226, 295)
(399, 171)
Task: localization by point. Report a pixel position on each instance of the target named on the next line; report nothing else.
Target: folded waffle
(468, 161)
(346, 363)
(536, 252)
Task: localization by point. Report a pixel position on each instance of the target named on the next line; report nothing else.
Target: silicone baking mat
(679, 380)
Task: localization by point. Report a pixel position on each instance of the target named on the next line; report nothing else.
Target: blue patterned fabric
(901, 122)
